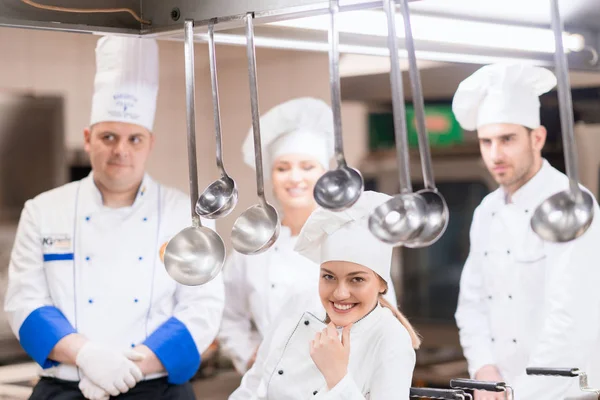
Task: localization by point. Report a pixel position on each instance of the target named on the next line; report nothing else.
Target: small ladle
(436, 207)
(221, 196)
(195, 255)
(339, 188)
(402, 218)
(258, 227)
(565, 215)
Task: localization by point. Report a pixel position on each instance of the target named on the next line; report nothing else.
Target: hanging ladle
(436, 207)
(221, 196)
(258, 227)
(195, 255)
(402, 218)
(339, 188)
(565, 215)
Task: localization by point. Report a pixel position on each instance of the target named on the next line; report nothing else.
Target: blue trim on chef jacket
(175, 348)
(40, 332)
(58, 257)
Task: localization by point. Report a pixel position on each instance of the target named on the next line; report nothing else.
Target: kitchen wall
(58, 63)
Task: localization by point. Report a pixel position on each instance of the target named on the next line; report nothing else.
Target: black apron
(154, 389)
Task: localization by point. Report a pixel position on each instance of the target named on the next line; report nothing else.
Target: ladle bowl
(339, 188)
(218, 199)
(256, 229)
(191, 256)
(400, 219)
(438, 215)
(561, 218)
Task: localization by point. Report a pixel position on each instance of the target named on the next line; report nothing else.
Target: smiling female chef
(86, 285)
(303, 355)
(297, 137)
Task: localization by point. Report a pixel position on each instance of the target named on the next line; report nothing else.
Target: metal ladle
(340, 188)
(401, 218)
(436, 207)
(195, 255)
(565, 215)
(221, 196)
(258, 227)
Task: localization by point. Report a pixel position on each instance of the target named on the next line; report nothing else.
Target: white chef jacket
(256, 287)
(526, 302)
(78, 266)
(381, 362)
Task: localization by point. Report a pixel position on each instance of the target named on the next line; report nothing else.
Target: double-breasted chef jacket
(78, 266)
(527, 302)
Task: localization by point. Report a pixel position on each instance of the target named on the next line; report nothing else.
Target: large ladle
(195, 255)
(221, 196)
(339, 188)
(402, 218)
(436, 207)
(258, 227)
(565, 215)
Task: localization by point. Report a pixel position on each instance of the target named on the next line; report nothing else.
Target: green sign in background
(442, 127)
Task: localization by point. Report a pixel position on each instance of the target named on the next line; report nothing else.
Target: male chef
(88, 297)
(523, 301)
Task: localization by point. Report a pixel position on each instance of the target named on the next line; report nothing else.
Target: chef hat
(502, 93)
(299, 126)
(345, 236)
(126, 81)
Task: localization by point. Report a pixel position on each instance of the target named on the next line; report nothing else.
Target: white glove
(109, 369)
(91, 391)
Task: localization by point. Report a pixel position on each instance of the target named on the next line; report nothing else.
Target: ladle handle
(251, 54)
(565, 103)
(215, 93)
(398, 107)
(334, 82)
(417, 97)
(190, 89)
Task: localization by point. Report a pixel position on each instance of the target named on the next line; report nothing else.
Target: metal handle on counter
(460, 383)
(444, 394)
(567, 372)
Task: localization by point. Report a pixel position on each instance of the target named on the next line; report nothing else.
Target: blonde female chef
(298, 144)
(352, 344)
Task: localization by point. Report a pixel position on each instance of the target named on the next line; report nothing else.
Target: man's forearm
(150, 364)
(67, 348)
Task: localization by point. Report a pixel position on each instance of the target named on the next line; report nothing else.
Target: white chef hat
(126, 81)
(299, 126)
(345, 236)
(502, 93)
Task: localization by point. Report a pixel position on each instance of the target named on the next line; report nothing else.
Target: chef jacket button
(493, 214)
(87, 258)
(140, 258)
(507, 251)
(510, 296)
(514, 340)
(87, 218)
(132, 345)
(280, 372)
(526, 211)
(493, 340)
(135, 300)
(315, 392)
(306, 322)
(272, 286)
(145, 219)
(90, 301)
(490, 297)
(485, 253)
